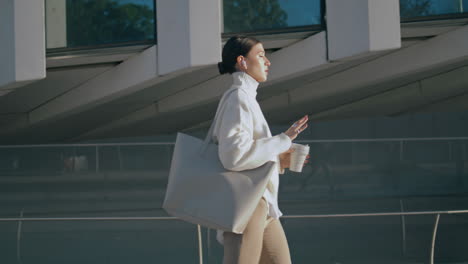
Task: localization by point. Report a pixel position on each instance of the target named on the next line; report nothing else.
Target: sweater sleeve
(238, 150)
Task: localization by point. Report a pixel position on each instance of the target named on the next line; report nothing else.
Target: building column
(189, 34)
(356, 27)
(22, 50)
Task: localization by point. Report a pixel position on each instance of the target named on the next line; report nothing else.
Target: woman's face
(257, 63)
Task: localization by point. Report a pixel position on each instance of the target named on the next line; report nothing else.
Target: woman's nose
(268, 63)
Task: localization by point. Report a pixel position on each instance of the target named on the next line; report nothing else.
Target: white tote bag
(201, 191)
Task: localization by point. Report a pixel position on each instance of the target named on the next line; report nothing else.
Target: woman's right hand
(298, 126)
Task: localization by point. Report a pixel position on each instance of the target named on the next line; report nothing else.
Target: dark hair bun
(221, 68)
(234, 47)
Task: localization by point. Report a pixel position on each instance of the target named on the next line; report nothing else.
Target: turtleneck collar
(246, 82)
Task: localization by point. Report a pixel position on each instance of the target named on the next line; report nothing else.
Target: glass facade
(94, 23)
(257, 15)
(424, 8)
(78, 242)
(129, 180)
(356, 170)
(103, 23)
(378, 239)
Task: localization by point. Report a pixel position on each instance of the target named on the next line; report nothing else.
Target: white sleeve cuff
(287, 142)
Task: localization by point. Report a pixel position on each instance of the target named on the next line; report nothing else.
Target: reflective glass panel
(359, 169)
(421, 8)
(370, 239)
(119, 242)
(8, 238)
(82, 23)
(88, 178)
(344, 239)
(252, 15)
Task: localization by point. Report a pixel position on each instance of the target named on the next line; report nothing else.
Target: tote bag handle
(209, 136)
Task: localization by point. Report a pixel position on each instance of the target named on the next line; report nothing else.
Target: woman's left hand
(285, 159)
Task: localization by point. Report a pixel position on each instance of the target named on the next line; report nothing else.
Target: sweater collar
(246, 82)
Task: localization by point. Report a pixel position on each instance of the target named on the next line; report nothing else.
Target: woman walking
(245, 142)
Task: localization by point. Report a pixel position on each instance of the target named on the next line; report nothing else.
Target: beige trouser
(263, 241)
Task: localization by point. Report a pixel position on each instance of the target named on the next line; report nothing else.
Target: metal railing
(22, 219)
(98, 146)
(165, 143)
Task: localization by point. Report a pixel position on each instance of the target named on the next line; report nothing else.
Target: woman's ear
(241, 62)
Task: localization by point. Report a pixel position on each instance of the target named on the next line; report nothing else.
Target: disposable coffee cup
(298, 157)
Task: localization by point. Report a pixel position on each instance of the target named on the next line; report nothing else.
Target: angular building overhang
(124, 92)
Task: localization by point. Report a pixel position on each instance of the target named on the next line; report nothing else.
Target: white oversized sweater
(244, 138)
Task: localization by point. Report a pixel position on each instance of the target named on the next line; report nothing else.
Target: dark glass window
(252, 15)
(421, 8)
(99, 22)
